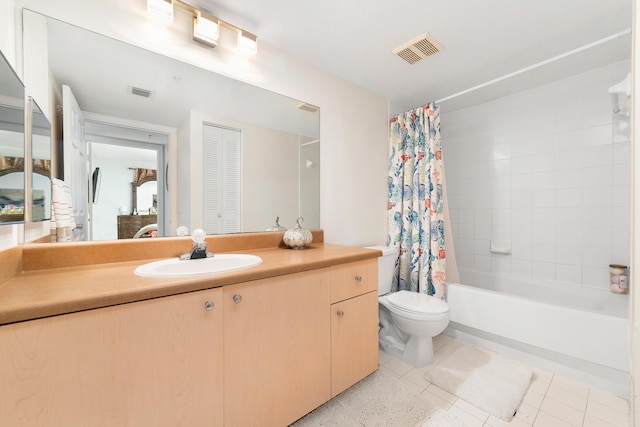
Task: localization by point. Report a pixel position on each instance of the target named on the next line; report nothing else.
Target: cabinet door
(149, 363)
(354, 340)
(276, 349)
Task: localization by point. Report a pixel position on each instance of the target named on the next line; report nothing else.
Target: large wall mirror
(41, 164)
(12, 131)
(133, 99)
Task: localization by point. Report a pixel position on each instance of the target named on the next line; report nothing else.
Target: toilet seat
(417, 303)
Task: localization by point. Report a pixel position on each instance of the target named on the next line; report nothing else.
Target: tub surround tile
(557, 166)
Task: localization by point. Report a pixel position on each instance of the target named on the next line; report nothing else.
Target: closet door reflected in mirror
(12, 145)
(41, 166)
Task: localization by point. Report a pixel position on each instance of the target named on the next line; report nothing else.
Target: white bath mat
(489, 381)
(441, 418)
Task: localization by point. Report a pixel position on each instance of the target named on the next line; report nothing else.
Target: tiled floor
(551, 401)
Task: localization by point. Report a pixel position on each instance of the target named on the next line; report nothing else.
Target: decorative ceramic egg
(298, 237)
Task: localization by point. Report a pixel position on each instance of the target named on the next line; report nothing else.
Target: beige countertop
(41, 292)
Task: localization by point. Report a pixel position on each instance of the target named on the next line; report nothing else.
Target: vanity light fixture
(206, 28)
(161, 9)
(247, 42)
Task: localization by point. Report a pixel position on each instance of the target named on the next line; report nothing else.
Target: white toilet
(408, 320)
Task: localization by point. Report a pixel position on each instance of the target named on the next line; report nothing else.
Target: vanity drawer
(353, 279)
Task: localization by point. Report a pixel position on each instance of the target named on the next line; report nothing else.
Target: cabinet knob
(340, 313)
(237, 299)
(358, 278)
(208, 305)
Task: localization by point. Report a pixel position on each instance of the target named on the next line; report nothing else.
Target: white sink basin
(219, 263)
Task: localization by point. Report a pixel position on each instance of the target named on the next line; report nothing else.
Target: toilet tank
(386, 265)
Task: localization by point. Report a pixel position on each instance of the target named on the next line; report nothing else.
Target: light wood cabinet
(275, 348)
(277, 363)
(354, 323)
(148, 363)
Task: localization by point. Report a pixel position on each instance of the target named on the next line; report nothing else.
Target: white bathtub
(584, 328)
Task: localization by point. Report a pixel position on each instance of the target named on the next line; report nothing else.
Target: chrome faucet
(199, 248)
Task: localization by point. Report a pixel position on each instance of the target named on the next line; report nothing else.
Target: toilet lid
(418, 302)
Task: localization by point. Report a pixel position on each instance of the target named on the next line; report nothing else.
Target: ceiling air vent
(419, 48)
(140, 92)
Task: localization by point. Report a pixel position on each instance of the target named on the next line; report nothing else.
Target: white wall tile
(569, 198)
(596, 257)
(543, 252)
(521, 250)
(482, 263)
(544, 198)
(597, 156)
(521, 165)
(569, 140)
(554, 180)
(621, 216)
(521, 268)
(569, 234)
(569, 254)
(601, 176)
(481, 247)
(596, 277)
(482, 231)
(500, 232)
(597, 135)
(522, 199)
(543, 270)
(569, 273)
(521, 216)
(621, 153)
(501, 216)
(482, 216)
(597, 237)
(500, 264)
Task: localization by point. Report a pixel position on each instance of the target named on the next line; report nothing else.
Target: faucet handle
(198, 235)
(182, 231)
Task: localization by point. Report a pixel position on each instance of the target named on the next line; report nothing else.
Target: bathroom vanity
(94, 344)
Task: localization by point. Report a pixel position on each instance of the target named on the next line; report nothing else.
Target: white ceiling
(483, 40)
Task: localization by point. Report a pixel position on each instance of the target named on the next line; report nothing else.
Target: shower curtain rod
(539, 64)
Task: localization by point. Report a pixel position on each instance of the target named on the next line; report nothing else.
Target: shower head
(619, 94)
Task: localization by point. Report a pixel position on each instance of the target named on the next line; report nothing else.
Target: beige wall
(353, 127)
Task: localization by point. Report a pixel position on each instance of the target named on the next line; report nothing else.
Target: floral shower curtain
(416, 223)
